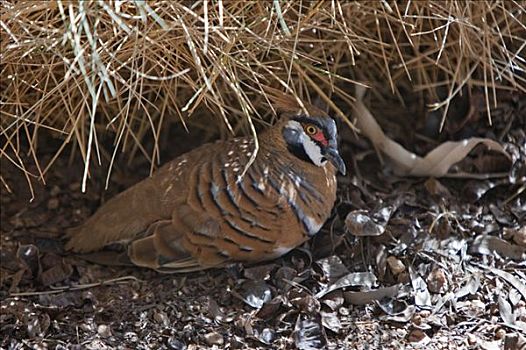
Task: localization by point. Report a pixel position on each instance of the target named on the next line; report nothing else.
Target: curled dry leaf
(393, 312)
(471, 286)
(29, 255)
(334, 300)
(381, 260)
(508, 277)
(359, 223)
(471, 308)
(304, 301)
(266, 336)
(332, 268)
(256, 293)
(283, 276)
(436, 163)
(489, 245)
(270, 310)
(395, 265)
(354, 279)
(514, 341)
(362, 298)
(505, 310)
(370, 223)
(104, 331)
(331, 321)
(422, 296)
(515, 298)
(309, 335)
(519, 236)
(509, 316)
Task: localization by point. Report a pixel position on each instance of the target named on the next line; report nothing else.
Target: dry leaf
(363, 279)
(359, 223)
(422, 296)
(362, 298)
(395, 265)
(435, 164)
(489, 245)
(309, 335)
(508, 277)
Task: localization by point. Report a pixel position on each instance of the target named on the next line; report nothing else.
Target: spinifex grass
(77, 69)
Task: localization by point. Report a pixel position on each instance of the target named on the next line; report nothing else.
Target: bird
(210, 208)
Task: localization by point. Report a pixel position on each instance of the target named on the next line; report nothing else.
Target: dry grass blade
(74, 287)
(88, 71)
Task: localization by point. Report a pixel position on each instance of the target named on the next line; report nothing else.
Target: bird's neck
(273, 150)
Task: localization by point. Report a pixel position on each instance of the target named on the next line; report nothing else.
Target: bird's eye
(311, 129)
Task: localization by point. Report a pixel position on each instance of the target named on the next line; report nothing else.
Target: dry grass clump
(77, 69)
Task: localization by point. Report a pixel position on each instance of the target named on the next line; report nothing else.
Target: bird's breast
(264, 211)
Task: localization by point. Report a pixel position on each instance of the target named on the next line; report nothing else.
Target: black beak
(334, 157)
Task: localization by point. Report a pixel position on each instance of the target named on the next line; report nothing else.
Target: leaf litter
(437, 262)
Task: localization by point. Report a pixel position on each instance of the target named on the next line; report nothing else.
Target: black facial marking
(299, 151)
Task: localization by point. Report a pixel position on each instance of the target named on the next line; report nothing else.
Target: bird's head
(313, 140)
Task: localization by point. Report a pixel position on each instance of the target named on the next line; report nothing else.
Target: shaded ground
(404, 263)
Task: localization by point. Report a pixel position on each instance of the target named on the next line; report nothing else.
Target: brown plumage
(198, 212)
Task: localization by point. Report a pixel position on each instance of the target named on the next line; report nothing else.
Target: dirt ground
(403, 263)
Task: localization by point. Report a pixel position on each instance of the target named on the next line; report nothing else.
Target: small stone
(86, 327)
(508, 233)
(53, 203)
(131, 337)
(437, 281)
(400, 332)
(474, 308)
(417, 319)
(104, 331)
(236, 342)
(520, 311)
(344, 311)
(55, 190)
(395, 265)
(444, 341)
(472, 339)
(403, 277)
(520, 237)
(162, 318)
(500, 333)
(425, 313)
(416, 336)
(175, 344)
(214, 338)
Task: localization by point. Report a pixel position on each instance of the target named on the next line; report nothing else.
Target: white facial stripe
(311, 148)
(313, 151)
